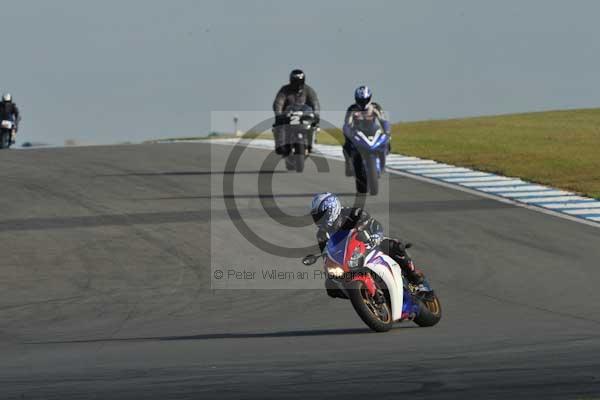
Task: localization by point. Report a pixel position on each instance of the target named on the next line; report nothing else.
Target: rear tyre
(349, 171)
(4, 140)
(290, 164)
(372, 176)
(299, 156)
(430, 311)
(378, 317)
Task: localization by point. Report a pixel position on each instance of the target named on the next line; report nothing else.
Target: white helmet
(7, 97)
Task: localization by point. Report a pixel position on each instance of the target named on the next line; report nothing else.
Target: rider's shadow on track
(221, 336)
(247, 196)
(192, 173)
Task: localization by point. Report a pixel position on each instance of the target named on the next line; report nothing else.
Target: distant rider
(10, 111)
(330, 216)
(363, 109)
(296, 93)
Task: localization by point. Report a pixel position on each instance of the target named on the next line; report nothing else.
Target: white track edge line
(475, 192)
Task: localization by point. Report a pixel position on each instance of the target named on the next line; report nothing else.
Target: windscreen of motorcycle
(367, 126)
(336, 246)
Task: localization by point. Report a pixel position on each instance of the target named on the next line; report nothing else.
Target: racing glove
(280, 120)
(317, 120)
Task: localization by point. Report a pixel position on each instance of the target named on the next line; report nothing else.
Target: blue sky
(111, 71)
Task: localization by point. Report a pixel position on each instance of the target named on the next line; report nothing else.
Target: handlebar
(309, 114)
(297, 118)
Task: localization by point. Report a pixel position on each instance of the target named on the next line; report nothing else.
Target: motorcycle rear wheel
(290, 164)
(378, 317)
(430, 312)
(4, 140)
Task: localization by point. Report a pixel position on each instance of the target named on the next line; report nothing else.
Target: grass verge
(556, 148)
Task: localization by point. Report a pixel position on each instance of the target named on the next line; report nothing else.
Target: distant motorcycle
(300, 127)
(7, 129)
(374, 283)
(368, 160)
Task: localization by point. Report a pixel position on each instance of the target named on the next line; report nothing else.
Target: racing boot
(279, 138)
(312, 139)
(349, 166)
(397, 250)
(414, 275)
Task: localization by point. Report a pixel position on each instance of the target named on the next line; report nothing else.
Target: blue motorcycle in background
(367, 148)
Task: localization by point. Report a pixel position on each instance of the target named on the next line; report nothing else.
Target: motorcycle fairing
(389, 271)
(336, 246)
(371, 142)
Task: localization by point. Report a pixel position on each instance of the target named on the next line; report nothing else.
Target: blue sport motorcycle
(366, 148)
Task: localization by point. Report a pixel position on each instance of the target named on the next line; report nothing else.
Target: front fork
(379, 162)
(381, 157)
(306, 136)
(369, 282)
(375, 292)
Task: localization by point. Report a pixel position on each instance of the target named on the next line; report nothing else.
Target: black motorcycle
(299, 125)
(7, 127)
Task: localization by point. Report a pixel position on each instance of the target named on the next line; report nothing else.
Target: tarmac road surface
(105, 287)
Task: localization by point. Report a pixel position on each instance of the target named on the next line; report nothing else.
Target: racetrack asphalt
(105, 287)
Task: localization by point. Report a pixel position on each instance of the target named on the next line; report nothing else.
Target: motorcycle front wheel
(360, 175)
(372, 176)
(378, 317)
(299, 155)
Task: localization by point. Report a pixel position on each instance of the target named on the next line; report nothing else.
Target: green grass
(557, 148)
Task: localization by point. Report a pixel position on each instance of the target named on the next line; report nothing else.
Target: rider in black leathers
(10, 111)
(330, 217)
(296, 93)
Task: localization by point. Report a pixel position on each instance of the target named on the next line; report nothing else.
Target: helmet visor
(320, 218)
(297, 78)
(363, 102)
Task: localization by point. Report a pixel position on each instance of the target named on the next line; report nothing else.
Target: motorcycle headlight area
(357, 260)
(334, 269)
(337, 272)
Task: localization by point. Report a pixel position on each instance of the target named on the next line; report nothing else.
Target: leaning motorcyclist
(10, 111)
(330, 216)
(295, 94)
(363, 110)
